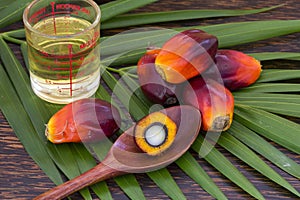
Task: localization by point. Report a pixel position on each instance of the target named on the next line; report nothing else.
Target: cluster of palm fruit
(190, 69)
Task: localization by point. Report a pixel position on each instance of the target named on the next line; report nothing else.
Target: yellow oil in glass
(64, 59)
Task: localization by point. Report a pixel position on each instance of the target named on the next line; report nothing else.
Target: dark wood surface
(21, 178)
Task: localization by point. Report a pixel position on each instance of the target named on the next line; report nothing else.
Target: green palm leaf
(164, 180)
(135, 107)
(270, 126)
(10, 104)
(270, 75)
(136, 89)
(271, 87)
(62, 155)
(118, 7)
(263, 56)
(13, 12)
(261, 146)
(244, 32)
(285, 104)
(18, 33)
(223, 165)
(190, 166)
(241, 151)
(155, 17)
(229, 34)
(5, 3)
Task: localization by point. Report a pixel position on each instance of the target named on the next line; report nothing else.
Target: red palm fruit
(152, 85)
(237, 69)
(215, 102)
(186, 55)
(85, 120)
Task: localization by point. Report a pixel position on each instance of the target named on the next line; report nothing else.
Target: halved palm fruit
(155, 133)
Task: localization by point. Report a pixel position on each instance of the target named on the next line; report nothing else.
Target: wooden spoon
(126, 157)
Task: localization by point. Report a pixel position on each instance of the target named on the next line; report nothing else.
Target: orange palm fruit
(152, 85)
(237, 69)
(186, 55)
(85, 120)
(215, 102)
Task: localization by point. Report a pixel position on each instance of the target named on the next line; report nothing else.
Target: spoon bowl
(126, 157)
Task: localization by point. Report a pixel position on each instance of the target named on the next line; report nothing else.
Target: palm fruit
(215, 102)
(237, 69)
(152, 85)
(186, 55)
(85, 120)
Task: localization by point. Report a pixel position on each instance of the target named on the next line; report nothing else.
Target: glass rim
(92, 26)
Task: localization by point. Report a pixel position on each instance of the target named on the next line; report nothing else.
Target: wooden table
(21, 178)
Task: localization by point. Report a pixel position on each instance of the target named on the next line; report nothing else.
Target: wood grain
(21, 178)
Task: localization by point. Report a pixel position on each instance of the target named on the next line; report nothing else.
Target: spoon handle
(98, 173)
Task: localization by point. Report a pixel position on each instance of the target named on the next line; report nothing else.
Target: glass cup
(63, 48)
